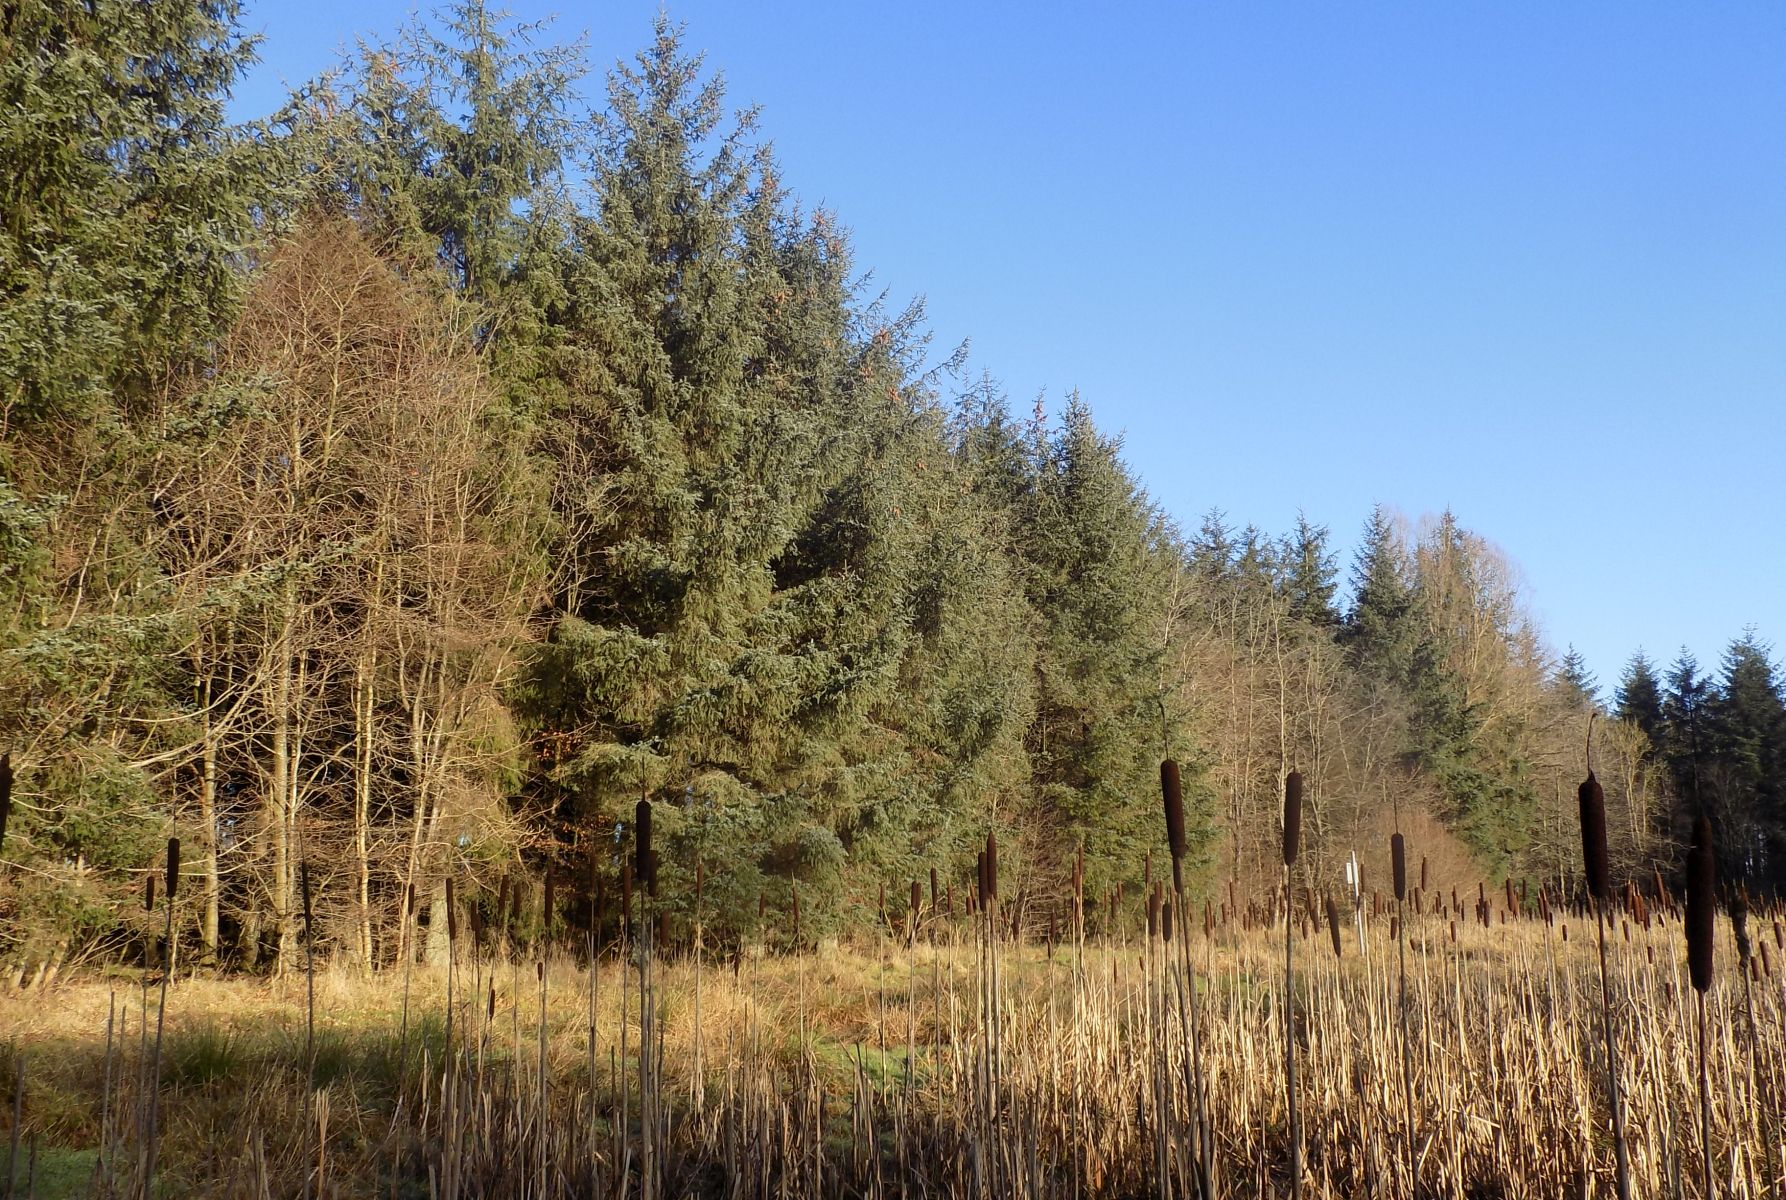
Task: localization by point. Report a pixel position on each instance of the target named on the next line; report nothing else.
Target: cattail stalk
(1702, 869)
(167, 969)
(644, 868)
(1172, 796)
(5, 795)
(1592, 802)
(1398, 861)
(1292, 838)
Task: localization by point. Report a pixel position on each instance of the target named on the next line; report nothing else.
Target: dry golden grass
(807, 1088)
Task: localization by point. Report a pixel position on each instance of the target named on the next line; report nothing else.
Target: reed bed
(969, 1064)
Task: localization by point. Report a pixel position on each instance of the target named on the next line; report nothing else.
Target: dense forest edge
(397, 489)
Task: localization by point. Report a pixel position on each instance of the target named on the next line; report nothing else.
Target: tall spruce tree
(1639, 699)
(1098, 556)
(1745, 781)
(125, 201)
(1379, 632)
(1310, 579)
(1575, 684)
(741, 600)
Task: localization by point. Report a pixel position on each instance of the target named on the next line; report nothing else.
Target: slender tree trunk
(362, 812)
(207, 809)
(277, 800)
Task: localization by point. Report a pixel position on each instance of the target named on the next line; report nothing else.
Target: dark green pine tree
(1099, 558)
(1683, 726)
(1212, 550)
(738, 599)
(125, 201)
(1639, 699)
(1745, 776)
(1574, 683)
(1310, 579)
(1379, 631)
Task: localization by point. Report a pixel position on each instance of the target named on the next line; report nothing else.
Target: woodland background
(409, 482)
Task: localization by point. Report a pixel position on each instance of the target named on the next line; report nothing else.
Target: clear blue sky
(1524, 260)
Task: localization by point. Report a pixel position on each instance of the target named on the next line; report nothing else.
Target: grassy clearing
(1085, 1091)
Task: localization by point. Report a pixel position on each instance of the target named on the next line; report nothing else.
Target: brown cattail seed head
(1172, 791)
(149, 893)
(933, 893)
(992, 865)
(1702, 905)
(1166, 921)
(980, 878)
(651, 875)
(1398, 862)
(1593, 838)
(173, 868)
(1292, 816)
(642, 840)
(1423, 872)
(1333, 925)
(452, 905)
(700, 879)
(5, 793)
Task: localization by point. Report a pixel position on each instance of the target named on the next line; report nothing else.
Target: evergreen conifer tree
(1639, 699)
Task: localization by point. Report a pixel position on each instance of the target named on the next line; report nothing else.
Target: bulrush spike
(5, 794)
(1292, 816)
(642, 841)
(1702, 904)
(1171, 790)
(917, 901)
(933, 892)
(452, 904)
(149, 892)
(651, 875)
(173, 868)
(1333, 925)
(992, 865)
(1593, 838)
(1166, 921)
(980, 878)
(1398, 859)
(1153, 913)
